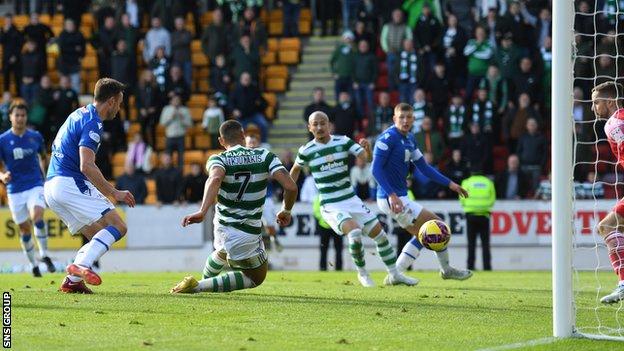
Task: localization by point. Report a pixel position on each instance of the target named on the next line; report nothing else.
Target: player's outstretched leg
(409, 254)
(615, 245)
(214, 264)
(224, 282)
(28, 246)
(356, 249)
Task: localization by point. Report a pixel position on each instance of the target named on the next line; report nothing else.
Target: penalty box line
(517, 345)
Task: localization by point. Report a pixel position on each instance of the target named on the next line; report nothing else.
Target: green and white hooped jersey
(328, 164)
(243, 191)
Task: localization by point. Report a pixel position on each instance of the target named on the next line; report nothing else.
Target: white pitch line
(542, 341)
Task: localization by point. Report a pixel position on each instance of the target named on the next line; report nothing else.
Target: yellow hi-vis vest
(481, 195)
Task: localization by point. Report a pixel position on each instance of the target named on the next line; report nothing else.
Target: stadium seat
(118, 171)
(277, 71)
(272, 44)
(45, 19)
(20, 21)
(160, 143)
(202, 141)
(196, 46)
(287, 44)
(206, 18)
(197, 113)
(269, 58)
(89, 62)
(269, 112)
(199, 59)
(119, 159)
(198, 100)
(305, 27)
(270, 98)
(276, 15)
(289, 57)
(194, 156)
(3, 196)
(203, 86)
(276, 28)
(276, 85)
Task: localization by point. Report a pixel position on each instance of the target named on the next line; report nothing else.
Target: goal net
(597, 41)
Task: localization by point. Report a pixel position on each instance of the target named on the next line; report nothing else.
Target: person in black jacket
(452, 44)
(45, 99)
(12, 40)
(456, 170)
(41, 34)
(532, 151)
(427, 37)
(31, 72)
(512, 184)
(477, 149)
(104, 43)
(149, 105)
(247, 105)
(526, 81)
(168, 181)
(176, 85)
(193, 188)
(65, 100)
(72, 48)
(133, 182)
(439, 87)
(346, 120)
(318, 104)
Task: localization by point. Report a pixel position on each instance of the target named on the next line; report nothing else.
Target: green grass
(298, 311)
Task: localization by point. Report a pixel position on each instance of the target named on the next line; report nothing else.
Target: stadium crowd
(478, 74)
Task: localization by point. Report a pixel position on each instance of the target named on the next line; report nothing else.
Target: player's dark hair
(610, 90)
(230, 131)
(403, 107)
(18, 104)
(107, 88)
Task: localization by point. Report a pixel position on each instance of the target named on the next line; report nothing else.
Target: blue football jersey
(82, 128)
(20, 155)
(392, 155)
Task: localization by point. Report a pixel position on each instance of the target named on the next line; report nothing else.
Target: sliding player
(607, 103)
(238, 181)
(75, 186)
(395, 152)
(327, 157)
(23, 152)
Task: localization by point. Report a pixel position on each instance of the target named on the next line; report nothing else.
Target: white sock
(42, 238)
(357, 250)
(443, 258)
(225, 282)
(99, 244)
(386, 252)
(408, 255)
(28, 246)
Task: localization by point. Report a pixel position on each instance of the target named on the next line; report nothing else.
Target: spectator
(423, 187)
(591, 188)
(421, 109)
(477, 149)
(498, 89)
(65, 100)
(246, 58)
(527, 81)
(453, 42)
(12, 40)
(361, 177)
(45, 102)
(582, 114)
(181, 40)
(430, 140)
(543, 28)
(212, 120)
(5, 123)
(104, 42)
(327, 11)
(176, 85)
(349, 12)
(492, 24)
(193, 188)
(139, 155)
(176, 119)
(507, 58)
(166, 10)
(74, 9)
(40, 34)
(254, 28)
(409, 72)
(512, 184)
(345, 117)
(72, 48)
(393, 35)
(121, 66)
(157, 37)
(482, 112)
(479, 52)
(361, 33)
(159, 65)
(364, 77)
(248, 105)
(456, 120)
(216, 36)
(532, 152)
(128, 33)
(485, 7)
(544, 189)
(382, 118)
(514, 122)
(427, 35)
(168, 182)
(583, 19)
(133, 11)
(134, 182)
(367, 13)
(456, 169)
(439, 87)
(518, 25)
(318, 104)
(31, 72)
(220, 80)
(546, 73)
(414, 9)
(342, 64)
(148, 103)
(291, 10)
(464, 10)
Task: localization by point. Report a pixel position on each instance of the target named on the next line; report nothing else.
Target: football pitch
(300, 311)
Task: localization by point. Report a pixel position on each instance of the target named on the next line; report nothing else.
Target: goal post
(562, 164)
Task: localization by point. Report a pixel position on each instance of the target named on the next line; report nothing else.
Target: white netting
(599, 35)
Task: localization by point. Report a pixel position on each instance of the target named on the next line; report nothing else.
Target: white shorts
(22, 203)
(336, 213)
(269, 215)
(75, 208)
(411, 210)
(245, 251)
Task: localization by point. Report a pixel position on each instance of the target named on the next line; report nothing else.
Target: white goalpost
(576, 307)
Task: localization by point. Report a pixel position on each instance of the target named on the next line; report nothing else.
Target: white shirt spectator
(155, 38)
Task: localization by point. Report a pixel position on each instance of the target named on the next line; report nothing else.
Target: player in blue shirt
(75, 186)
(395, 153)
(23, 153)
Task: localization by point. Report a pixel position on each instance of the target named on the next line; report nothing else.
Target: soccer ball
(434, 235)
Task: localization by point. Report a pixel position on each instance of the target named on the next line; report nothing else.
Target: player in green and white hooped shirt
(327, 158)
(237, 184)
